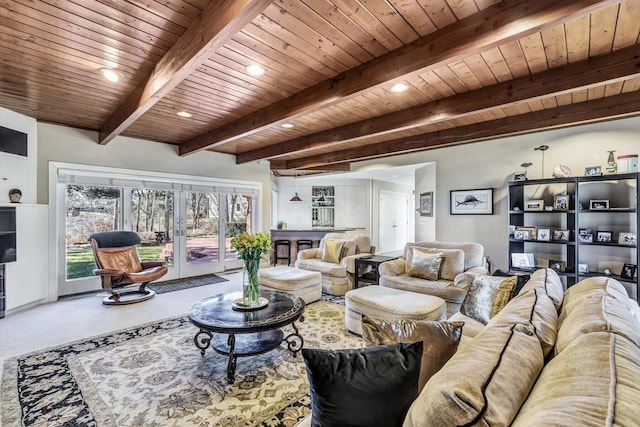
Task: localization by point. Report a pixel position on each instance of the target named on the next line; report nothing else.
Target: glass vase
(251, 283)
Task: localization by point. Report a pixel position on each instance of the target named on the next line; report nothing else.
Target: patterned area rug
(189, 282)
(153, 375)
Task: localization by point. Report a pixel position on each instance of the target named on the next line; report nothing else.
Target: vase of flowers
(250, 249)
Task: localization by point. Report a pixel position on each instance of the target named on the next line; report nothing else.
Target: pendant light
(295, 198)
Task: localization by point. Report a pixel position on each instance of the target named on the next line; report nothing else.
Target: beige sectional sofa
(337, 277)
(547, 359)
(459, 257)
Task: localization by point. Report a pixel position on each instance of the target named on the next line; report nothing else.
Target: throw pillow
(440, 339)
(332, 251)
(487, 295)
(521, 279)
(425, 264)
(372, 386)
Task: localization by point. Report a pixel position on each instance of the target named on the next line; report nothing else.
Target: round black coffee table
(246, 333)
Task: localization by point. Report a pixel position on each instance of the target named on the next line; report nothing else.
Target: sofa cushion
(356, 387)
(439, 288)
(486, 296)
(533, 307)
(473, 252)
(440, 339)
(326, 268)
(453, 261)
(595, 381)
(590, 287)
(425, 264)
(332, 250)
(484, 383)
(471, 326)
(598, 313)
(548, 280)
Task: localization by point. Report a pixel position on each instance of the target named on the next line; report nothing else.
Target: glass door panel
(153, 219)
(200, 232)
(237, 220)
(89, 209)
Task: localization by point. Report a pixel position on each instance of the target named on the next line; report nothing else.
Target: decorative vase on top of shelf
(250, 249)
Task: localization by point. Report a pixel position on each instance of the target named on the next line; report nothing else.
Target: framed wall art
(471, 202)
(426, 203)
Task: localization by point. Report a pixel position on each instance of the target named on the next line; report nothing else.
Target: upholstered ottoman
(303, 283)
(390, 304)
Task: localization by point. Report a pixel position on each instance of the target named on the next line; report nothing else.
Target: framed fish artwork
(472, 202)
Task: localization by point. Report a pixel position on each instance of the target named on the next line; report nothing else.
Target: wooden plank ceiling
(474, 69)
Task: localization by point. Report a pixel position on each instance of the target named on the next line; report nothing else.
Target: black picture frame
(604, 236)
(628, 271)
(471, 202)
(426, 203)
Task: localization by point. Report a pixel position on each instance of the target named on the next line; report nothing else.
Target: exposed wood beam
(339, 167)
(214, 27)
(604, 109)
(496, 25)
(609, 68)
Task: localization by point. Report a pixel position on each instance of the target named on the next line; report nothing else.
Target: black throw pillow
(372, 386)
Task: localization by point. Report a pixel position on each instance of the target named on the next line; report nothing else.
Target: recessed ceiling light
(110, 74)
(255, 70)
(184, 114)
(399, 87)
(287, 125)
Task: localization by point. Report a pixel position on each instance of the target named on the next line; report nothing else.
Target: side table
(371, 276)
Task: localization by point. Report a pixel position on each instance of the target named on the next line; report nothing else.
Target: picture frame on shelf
(471, 202)
(522, 260)
(593, 171)
(531, 230)
(557, 265)
(522, 234)
(585, 238)
(561, 235)
(534, 205)
(584, 231)
(519, 176)
(426, 203)
(512, 230)
(628, 271)
(544, 234)
(598, 205)
(604, 236)
(561, 203)
(627, 239)
(583, 268)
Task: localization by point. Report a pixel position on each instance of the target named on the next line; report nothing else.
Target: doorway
(394, 221)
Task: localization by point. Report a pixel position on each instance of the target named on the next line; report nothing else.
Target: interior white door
(394, 218)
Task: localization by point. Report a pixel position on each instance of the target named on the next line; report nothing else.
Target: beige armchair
(337, 270)
(458, 257)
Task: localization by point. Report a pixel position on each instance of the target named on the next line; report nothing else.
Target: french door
(190, 227)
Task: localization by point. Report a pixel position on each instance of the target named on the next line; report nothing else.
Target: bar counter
(294, 234)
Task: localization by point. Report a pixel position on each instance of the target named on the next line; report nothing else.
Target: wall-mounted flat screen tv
(13, 141)
(7, 234)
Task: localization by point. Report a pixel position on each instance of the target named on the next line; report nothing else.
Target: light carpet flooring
(75, 318)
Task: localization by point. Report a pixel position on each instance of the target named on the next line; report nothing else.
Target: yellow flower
(251, 246)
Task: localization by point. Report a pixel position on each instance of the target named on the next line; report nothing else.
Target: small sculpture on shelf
(612, 166)
(15, 195)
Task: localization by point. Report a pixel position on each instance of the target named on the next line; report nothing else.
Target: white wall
(70, 145)
(492, 164)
